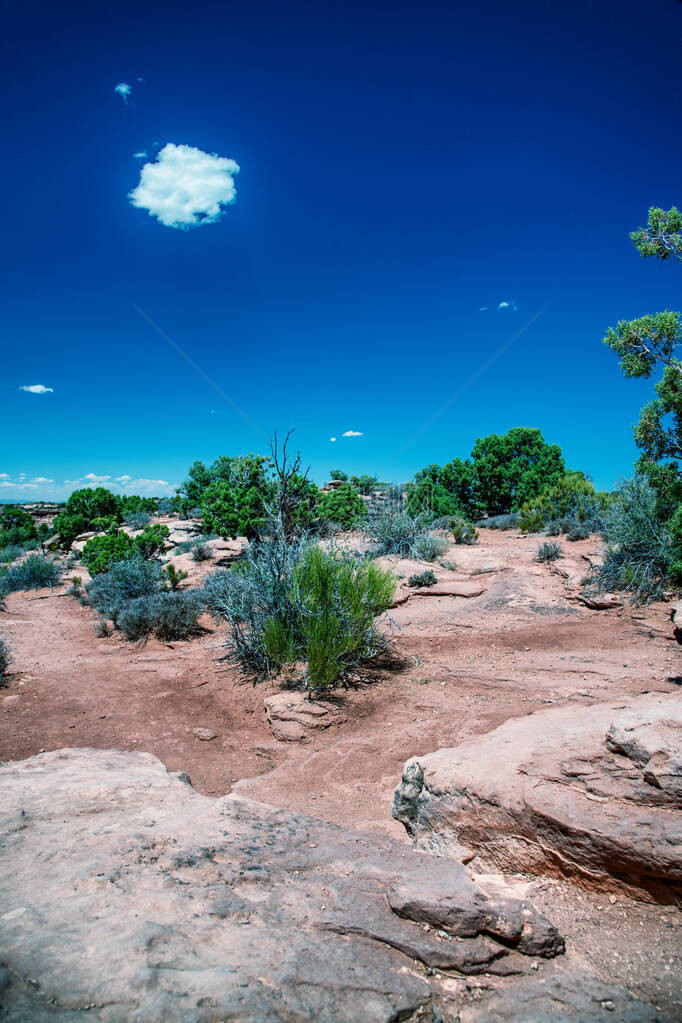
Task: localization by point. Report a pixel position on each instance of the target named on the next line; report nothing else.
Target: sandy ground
(468, 665)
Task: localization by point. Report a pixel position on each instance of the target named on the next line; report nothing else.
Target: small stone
(204, 733)
(612, 899)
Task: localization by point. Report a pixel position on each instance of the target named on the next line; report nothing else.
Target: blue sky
(401, 165)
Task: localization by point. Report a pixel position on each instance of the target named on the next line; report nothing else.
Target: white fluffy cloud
(124, 90)
(333, 440)
(186, 187)
(352, 433)
(92, 477)
(41, 479)
(122, 479)
(37, 389)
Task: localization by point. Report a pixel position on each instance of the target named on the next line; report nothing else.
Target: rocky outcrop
(293, 715)
(126, 893)
(592, 793)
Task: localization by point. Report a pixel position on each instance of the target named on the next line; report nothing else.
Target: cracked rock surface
(590, 793)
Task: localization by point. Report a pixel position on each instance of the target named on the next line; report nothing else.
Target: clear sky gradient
(402, 165)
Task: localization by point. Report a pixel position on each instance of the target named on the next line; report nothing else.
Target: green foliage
(549, 551)
(578, 532)
(291, 601)
(675, 527)
(666, 481)
(364, 484)
(101, 552)
(573, 497)
(33, 573)
(342, 505)
(124, 581)
(426, 578)
(338, 474)
(151, 540)
(168, 616)
(428, 547)
(137, 519)
(462, 530)
(430, 499)
(230, 493)
(502, 522)
(513, 468)
(5, 659)
(13, 551)
(16, 527)
(82, 508)
(104, 524)
(639, 550)
(133, 504)
(662, 237)
(174, 576)
(201, 552)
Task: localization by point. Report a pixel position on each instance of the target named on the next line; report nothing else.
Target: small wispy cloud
(37, 389)
(142, 155)
(4, 476)
(92, 477)
(124, 90)
(185, 187)
(41, 479)
(333, 439)
(508, 304)
(352, 433)
(122, 479)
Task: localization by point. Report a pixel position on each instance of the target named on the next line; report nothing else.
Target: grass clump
(33, 573)
(549, 551)
(394, 531)
(201, 552)
(426, 578)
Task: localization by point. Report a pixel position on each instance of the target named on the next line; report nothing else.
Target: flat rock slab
(292, 715)
(455, 589)
(593, 793)
(125, 892)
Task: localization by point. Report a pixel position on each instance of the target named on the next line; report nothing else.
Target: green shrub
(137, 519)
(463, 531)
(5, 659)
(168, 616)
(82, 508)
(428, 547)
(151, 540)
(639, 550)
(578, 532)
(426, 578)
(573, 498)
(33, 573)
(290, 601)
(503, 522)
(343, 505)
(17, 528)
(431, 500)
(675, 526)
(124, 581)
(101, 552)
(11, 552)
(104, 524)
(549, 551)
(174, 577)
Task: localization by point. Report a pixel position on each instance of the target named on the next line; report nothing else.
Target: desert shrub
(16, 527)
(394, 530)
(572, 499)
(124, 581)
(82, 508)
(151, 540)
(168, 616)
(579, 531)
(675, 526)
(169, 506)
(201, 552)
(549, 551)
(428, 547)
(101, 552)
(174, 576)
(553, 528)
(503, 522)
(104, 524)
(338, 602)
(133, 504)
(137, 519)
(639, 550)
(431, 500)
(289, 600)
(5, 659)
(75, 589)
(33, 573)
(101, 629)
(462, 531)
(426, 578)
(343, 505)
(11, 552)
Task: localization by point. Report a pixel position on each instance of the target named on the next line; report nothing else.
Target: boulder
(293, 715)
(590, 793)
(676, 615)
(126, 893)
